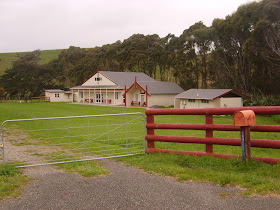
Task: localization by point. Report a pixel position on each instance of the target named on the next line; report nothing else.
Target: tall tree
(26, 77)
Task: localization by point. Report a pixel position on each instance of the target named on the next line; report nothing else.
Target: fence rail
(40, 99)
(209, 127)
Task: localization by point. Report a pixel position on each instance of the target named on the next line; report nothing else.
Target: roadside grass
(255, 177)
(11, 179)
(84, 168)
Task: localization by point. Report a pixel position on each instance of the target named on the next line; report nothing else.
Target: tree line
(241, 52)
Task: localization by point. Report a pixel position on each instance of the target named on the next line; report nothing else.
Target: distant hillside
(6, 59)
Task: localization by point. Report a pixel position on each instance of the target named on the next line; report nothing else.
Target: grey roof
(208, 94)
(97, 87)
(55, 91)
(126, 78)
(156, 87)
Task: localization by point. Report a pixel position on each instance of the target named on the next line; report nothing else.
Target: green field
(6, 59)
(257, 177)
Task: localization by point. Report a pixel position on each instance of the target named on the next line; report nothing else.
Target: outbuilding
(207, 98)
(57, 95)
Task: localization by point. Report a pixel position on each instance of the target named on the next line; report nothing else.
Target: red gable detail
(233, 92)
(134, 84)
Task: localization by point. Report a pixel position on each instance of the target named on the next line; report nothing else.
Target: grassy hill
(6, 59)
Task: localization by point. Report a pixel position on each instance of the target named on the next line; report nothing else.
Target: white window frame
(98, 79)
(99, 97)
(116, 95)
(56, 95)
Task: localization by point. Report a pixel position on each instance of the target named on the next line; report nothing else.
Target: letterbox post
(246, 142)
(244, 119)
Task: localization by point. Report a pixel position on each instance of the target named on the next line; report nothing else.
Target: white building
(57, 95)
(206, 98)
(121, 88)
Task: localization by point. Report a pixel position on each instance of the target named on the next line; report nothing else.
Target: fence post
(150, 131)
(245, 142)
(3, 143)
(209, 133)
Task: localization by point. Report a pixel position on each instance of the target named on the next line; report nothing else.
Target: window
(183, 102)
(205, 101)
(82, 94)
(123, 99)
(56, 95)
(98, 79)
(191, 100)
(136, 97)
(116, 95)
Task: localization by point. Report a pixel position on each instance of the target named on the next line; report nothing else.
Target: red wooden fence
(40, 99)
(209, 127)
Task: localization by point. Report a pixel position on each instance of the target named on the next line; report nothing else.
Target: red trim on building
(125, 95)
(146, 96)
(233, 92)
(134, 84)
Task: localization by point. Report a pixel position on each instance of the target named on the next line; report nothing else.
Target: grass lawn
(255, 176)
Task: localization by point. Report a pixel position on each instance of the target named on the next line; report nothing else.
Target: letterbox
(244, 118)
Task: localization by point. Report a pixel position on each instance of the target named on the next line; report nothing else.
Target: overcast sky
(27, 25)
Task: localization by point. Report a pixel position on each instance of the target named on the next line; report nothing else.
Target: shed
(207, 98)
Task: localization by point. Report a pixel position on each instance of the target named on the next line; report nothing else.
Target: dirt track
(126, 188)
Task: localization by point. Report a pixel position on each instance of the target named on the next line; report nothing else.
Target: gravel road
(126, 188)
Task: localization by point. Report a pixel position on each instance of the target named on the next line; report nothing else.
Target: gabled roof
(208, 94)
(122, 79)
(125, 78)
(97, 87)
(157, 87)
(55, 91)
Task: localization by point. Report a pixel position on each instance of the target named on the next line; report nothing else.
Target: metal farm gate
(44, 141)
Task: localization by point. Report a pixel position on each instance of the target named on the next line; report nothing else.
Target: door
(142, 100)
(97, 97)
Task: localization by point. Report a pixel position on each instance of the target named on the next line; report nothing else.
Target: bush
(262, 100)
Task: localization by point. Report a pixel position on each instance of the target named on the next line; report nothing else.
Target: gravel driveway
(126, 188)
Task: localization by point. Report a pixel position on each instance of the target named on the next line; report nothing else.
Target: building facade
(124, 89)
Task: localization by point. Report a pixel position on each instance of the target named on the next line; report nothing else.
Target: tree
(2, 92)
(26, 77)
